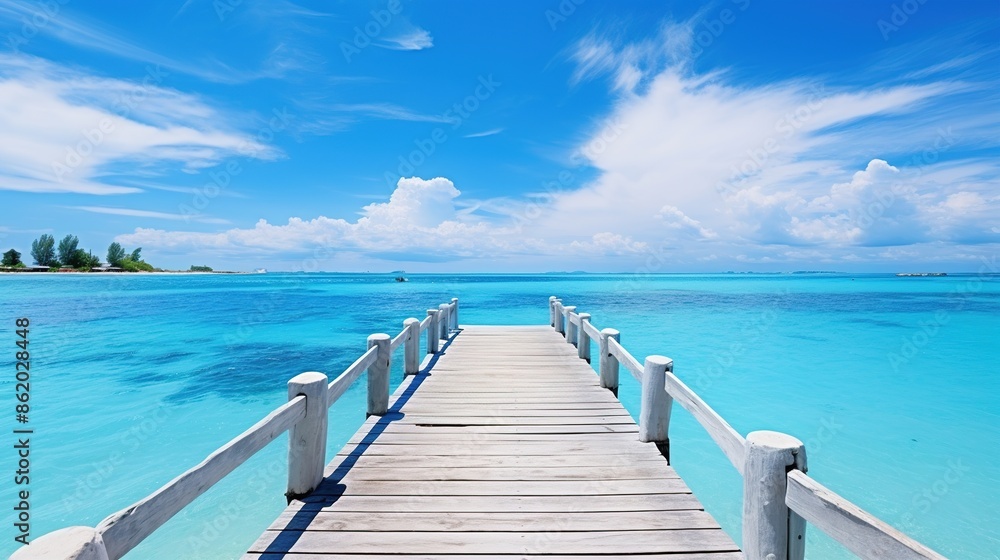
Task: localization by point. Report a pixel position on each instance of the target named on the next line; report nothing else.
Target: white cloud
(699, 170)
(484, 133)
(412, 40)
(419, 222)
(606, 243)
(386, 111)
(150, 214)
(675, 219)
(60, 129)
(775, 164)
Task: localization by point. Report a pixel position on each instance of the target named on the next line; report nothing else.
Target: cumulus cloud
(419, 222)
(745, 170)
(707, 169)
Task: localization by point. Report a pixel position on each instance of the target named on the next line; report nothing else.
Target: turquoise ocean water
(892, 383)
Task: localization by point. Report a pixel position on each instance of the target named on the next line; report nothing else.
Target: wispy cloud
(80, 32)
(72, 128)
(415, 39)
(150, 214)
(489, 132)
(386, 111)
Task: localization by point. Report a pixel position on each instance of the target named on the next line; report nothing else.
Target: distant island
(69, 257)
(920, 274)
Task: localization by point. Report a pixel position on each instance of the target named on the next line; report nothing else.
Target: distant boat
(260, 271)
(401, 279)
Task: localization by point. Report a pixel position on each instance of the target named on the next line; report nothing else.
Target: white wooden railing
(778, 496)
(304, 416)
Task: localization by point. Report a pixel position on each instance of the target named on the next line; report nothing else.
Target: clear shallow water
(891, 382)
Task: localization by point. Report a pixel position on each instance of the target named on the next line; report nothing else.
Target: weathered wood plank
(419, 474)
(473, 431)
(499, 487)
(483, 461)
(461, 504)
(334, 520)
(674, 556)
(417, 438)
(565, 542)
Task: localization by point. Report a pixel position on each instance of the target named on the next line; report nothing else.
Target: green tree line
(69, 254)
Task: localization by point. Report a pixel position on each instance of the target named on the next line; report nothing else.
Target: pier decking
(505, 445)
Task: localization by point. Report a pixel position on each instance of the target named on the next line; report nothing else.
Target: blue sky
(506, 136)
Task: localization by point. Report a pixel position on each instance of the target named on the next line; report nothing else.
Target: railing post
(378, 375)
(443, 320)
(570, 326)
(454, 314)
(552, 311)
(770, 530)
(78, 543)
(432, 332)
(609, 363)
(654, 411)
(307, 439)
(560, 323)
(411, 348)
(583, 339)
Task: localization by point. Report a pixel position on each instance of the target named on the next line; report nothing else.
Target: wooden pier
(506, 446)
(504, 442)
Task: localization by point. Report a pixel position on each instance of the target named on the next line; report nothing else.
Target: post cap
(432, 311)
(553, 298)
(610, 332)
(585, 316)
(659, 361)
(378, 337)
(308, 378)
(773, 440)
(454, 299)
(569, 307)
(410, 321)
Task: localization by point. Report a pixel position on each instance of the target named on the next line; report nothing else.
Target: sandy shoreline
(179, 272)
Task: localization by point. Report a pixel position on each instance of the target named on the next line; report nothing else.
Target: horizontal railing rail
(859, 531)
(778, 496)
(304, 416)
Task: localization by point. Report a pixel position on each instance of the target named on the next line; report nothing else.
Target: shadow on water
(330, 490)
